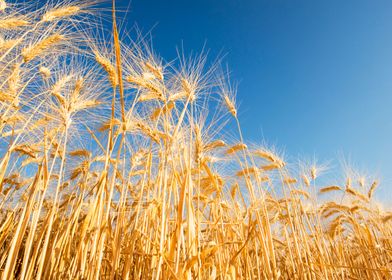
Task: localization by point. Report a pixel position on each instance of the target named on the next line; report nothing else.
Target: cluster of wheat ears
(114, 164)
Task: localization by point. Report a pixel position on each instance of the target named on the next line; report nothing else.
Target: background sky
(314, 76)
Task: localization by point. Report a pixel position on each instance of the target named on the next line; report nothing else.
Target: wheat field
(115, 164)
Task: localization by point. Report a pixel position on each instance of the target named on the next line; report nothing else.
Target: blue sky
(314, 76)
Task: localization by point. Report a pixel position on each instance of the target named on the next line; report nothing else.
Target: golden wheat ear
(59, 13)
(13, 22)
(109, 68)
(40, 47)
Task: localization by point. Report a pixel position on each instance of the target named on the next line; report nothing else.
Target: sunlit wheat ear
(162, 111)
(300, 193)
(13, 119)
(14, 79)
(198, 144)
(188, 89)
(387, 218)
(148, 76)
(108, 67)
(214, 145)
(59, 13)
(5, 45)
(228, 92)
(152, 90)
(289, 180)
(3, 5)
(361, 181)
(155, 70)
(135, 80)
(236, 148)
(13, 22)
(26, 150)
(148, 131)
(306, 180)
(314, 172)
(269, 156)
(77, 89)
(330, 189)
(230, 105)
(138, 158)
(271, 166)
(248, 171)
(45, 72)
(348, 183)
(356, 193)
(372, 189)
(39, 48)
(57, 88)
(115, 122)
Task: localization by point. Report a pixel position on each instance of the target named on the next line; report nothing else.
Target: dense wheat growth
(115, 164)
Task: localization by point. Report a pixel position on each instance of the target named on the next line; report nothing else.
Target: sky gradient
(314, 77)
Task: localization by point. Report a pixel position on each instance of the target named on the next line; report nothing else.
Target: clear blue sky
(315, 77)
